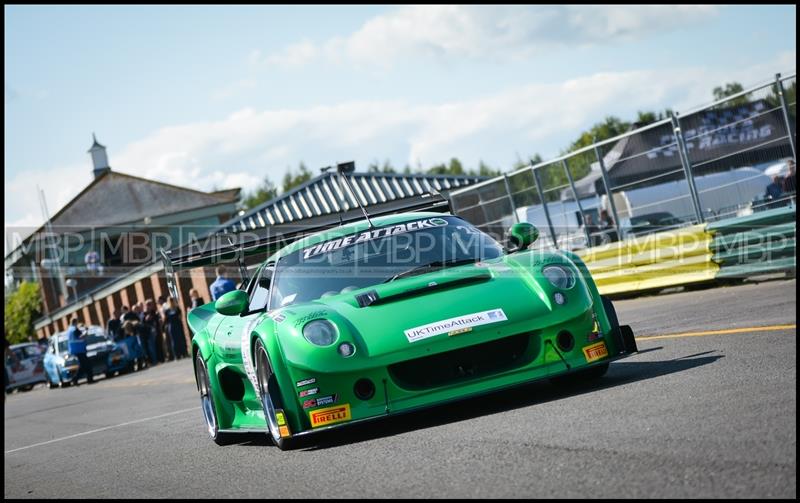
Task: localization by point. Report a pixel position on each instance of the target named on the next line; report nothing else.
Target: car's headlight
(320, 332)
(559, 276)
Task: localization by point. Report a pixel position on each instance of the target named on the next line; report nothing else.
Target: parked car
(28, 370)
(105, 357)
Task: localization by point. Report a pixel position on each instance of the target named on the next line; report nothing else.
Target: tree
(290, 180)
(21, 308)
(263, 193)
(729, 89)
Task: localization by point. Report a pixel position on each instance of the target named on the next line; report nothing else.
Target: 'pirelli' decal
(330, 415)
(595, 352)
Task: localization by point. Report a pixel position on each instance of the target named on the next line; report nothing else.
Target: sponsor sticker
(595, 351)
(454, 324)
(306, 382)
(277, 316)
(309, 392)
(329, 246)
(459, 331)
(309, 317)
(319, 402)
(330, 415)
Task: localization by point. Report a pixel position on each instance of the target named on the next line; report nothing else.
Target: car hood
(422, 314)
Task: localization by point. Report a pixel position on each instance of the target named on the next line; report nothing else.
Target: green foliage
(21, 308)
(730, 88)
(290, 180)
(387, 167)
(261, 194)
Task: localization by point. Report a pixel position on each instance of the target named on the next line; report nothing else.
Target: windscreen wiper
(421, 269)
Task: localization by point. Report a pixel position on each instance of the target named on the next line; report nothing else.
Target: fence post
(511, 199)
(687, 166)
(609, 194)
(544, 205)
(578, 202)
(786, 118)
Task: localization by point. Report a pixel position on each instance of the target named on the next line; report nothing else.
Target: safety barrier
(660, 260)
(760, 243)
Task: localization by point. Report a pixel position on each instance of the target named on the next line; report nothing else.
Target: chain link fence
(731, 158)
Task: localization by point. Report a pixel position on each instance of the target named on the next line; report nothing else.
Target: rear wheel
(270, 397)
(207, 404)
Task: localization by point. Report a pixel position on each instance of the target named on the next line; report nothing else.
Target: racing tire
(270, 396)
(628, 338)
(207, 404)
(622, 334)
(27, 387)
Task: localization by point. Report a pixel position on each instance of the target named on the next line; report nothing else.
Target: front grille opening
(465, 364)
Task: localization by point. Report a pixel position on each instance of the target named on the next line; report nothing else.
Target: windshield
(372, 257)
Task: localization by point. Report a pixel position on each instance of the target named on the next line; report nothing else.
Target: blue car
(105, 356)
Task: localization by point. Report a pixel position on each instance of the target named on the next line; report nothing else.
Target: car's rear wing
(226, 247)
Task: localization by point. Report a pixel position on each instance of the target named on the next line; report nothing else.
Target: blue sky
(220, 96)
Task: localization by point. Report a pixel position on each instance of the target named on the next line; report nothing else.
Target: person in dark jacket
(114, 327)
(173, 325)
(197, 301)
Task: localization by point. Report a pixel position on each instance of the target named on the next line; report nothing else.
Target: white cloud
(482, 31)
(294, 55)
(240, 149)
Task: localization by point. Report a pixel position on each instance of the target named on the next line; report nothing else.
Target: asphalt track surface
(694, 415)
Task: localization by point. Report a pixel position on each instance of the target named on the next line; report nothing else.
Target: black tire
(628, 338)
(27, 387)
(622, 334)
(268, 386)
(207, 404)
(109, 375)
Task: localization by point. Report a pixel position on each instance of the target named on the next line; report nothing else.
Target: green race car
(389, 315)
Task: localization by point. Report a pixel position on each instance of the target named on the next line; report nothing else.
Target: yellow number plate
(595, 351)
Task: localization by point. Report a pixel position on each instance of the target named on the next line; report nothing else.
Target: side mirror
(232, 303)
(520, 236)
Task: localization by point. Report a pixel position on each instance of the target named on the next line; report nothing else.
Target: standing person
(114, 327)
(128, 315)
(152, 323)
(76, 345)
(134, 347)
(197, 301)
(12, 356)
(790, 181)
(222, 284)
(174, 328)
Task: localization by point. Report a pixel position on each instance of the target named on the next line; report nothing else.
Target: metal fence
(731, 158)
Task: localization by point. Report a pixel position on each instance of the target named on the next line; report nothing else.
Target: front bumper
(396, 392)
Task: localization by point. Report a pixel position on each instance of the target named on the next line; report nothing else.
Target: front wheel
(207, 404)
(270, 398)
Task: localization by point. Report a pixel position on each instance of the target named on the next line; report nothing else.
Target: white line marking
(100, 429)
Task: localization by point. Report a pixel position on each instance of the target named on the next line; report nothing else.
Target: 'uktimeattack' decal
(456, 324)
(383, 232)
